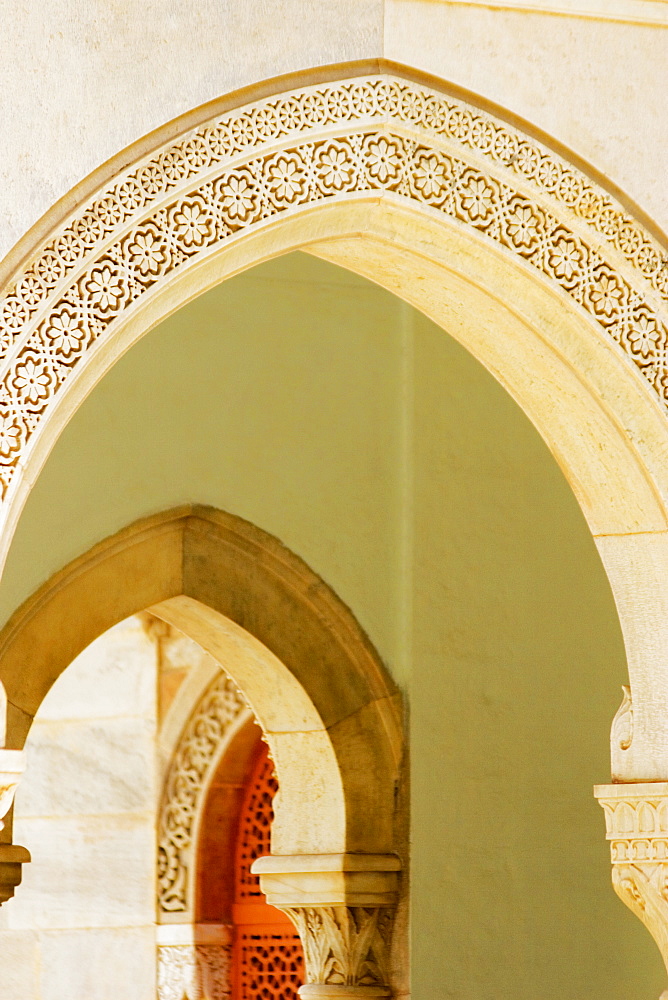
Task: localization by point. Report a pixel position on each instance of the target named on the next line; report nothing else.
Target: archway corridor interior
(322, 409)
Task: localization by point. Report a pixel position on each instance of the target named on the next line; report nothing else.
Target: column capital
(636, 817)
(343, 908)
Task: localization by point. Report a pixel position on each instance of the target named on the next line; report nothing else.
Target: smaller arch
(312, 678)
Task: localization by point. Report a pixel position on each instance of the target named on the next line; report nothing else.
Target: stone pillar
(343, 908)
(636, 817)
(12, 857)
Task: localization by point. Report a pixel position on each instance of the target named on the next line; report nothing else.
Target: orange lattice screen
(268, 962)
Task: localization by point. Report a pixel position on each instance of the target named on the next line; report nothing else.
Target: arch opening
(567, 288)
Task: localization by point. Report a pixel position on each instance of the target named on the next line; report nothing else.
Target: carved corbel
(343, 908)
(12, 765)
(636, 817)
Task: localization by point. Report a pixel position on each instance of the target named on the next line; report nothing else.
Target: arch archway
(329, 711)
(294, 650)
(531, 263)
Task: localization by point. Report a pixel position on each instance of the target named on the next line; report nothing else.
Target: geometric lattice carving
(636, 817)
(194, 972)
(271, 965)
(268, 958)
(313, 145)
(195, 754)
(254, 836)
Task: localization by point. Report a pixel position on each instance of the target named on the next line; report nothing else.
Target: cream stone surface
(574, 83)
(608, 283)
(121, 89)
(107, 680)
(627, 558)
(115, 98)
(85, 962)
(84, 922)
(20, 955)
(312, 880)
(104, 765)
(500, 168)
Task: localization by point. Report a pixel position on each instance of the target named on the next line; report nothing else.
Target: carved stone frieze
(194, 972)
(636, 818)
(378, 135)
(195, 754)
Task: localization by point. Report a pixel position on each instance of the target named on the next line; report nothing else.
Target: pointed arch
(310, 675)
(520, 252)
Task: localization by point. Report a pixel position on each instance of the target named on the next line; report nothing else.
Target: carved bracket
(12, 857)
(343, 908)
(636, 819)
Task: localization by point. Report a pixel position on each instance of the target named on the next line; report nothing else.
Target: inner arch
(321, 408)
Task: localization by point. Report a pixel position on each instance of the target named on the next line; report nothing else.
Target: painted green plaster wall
(330, 414)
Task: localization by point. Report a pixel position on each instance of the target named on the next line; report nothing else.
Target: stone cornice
(652, 12)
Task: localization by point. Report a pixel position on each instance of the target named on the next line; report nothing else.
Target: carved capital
(346, 949)
(636, 819)
(343, 908)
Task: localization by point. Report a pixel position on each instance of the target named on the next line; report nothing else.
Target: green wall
(327, 412)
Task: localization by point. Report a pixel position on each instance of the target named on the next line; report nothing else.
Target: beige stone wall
(83, 923)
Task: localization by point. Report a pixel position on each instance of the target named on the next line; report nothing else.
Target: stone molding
(636, 817)
(628, 11)
(12, 858)
(376, 135)
(343, 908)
(194, 962)
(195, 756)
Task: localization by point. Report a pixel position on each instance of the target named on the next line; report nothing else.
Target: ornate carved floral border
(197, 751)
(313, 145)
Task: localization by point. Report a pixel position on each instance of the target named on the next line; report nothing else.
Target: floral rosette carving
(366, 135)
